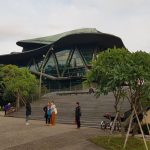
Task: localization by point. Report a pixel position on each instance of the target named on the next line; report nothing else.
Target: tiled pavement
(15, 135)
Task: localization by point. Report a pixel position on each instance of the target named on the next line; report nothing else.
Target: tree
(19, 83)
(109, 73)
(125, 74)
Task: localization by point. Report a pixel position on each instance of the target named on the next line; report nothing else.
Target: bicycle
(109, 124)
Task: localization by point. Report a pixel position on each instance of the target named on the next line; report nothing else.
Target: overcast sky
(25, 19)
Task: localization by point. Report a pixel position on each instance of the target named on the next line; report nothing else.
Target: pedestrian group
(50, 112)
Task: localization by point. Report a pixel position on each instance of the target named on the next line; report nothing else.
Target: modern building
(62, 59)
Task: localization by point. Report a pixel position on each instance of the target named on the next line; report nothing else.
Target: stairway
(92, 109)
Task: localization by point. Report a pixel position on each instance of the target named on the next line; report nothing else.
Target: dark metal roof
(48, 40)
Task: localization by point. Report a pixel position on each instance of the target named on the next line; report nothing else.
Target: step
(92, 109)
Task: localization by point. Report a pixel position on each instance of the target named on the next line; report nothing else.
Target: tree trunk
(114, 123)
(138, 109)
(129, 128)
(140, 128)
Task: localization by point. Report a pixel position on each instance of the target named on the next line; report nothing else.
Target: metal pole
(129, 128)
(42, 66)
(146, 147)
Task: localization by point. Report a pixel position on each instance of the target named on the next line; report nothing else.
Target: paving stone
(15, 135)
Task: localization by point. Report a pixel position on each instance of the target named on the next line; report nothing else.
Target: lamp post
(42, 67)
(41, 71)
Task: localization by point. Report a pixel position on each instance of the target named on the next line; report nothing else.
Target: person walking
(78, 115)
(54, 112)
(28, 112)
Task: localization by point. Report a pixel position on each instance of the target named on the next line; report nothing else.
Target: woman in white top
(53, 113)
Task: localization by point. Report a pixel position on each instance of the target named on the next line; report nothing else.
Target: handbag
(55, 110)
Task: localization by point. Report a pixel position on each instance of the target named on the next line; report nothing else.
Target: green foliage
(116, 143)
(116, 68)
(18, 82)
(108, 71)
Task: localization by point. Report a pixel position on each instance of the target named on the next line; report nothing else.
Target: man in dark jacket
(28, 112)
(78, 115)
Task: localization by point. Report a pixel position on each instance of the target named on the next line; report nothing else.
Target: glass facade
(69, 63)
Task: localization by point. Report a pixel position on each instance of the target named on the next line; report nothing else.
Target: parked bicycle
(109, 124)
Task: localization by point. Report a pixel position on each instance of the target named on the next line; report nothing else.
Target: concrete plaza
(15, 135)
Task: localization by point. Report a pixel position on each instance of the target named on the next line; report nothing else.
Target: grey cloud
(34, 18)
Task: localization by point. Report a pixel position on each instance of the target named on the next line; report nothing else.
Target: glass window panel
(76, 60)
(62, 57)
(50, 67)
(34, 67)
(87, 54)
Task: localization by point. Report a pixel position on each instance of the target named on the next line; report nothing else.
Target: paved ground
(15, 135)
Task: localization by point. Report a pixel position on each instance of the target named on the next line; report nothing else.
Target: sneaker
(27, 123)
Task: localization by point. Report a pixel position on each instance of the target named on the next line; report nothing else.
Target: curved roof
(48, 40)
(35, 48)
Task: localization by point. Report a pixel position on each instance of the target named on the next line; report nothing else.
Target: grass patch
(116, 143)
